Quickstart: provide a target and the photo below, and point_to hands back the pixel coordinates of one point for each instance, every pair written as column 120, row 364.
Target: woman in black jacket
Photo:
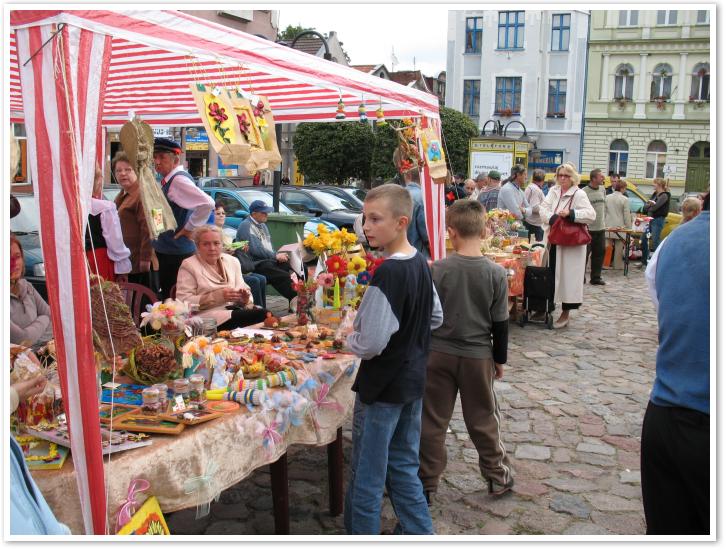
column 657, row 207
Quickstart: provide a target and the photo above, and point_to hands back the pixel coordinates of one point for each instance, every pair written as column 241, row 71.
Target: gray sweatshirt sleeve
column 373, row 326
column 437, row 315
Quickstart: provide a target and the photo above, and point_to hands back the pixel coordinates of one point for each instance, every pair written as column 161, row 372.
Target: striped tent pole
column 62, row 85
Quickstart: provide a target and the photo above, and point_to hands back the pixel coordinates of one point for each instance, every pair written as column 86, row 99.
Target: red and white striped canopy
column 151, row 70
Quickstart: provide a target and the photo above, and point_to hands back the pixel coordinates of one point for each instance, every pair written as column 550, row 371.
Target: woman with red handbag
column 565, row 213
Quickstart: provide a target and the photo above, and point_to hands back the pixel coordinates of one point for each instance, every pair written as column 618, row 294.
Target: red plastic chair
column 134, row 294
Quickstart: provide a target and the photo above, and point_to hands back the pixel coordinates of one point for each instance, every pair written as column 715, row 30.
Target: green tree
column 292, row 31
column 457, row 128
column 385, row 142
column 334, row 151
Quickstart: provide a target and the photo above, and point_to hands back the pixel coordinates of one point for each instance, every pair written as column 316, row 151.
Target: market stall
column 73, row 71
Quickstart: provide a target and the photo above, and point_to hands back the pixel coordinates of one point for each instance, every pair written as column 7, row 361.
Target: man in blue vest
column 191, row 208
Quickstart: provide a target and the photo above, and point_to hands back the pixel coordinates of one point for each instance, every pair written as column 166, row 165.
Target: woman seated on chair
column 213, row 279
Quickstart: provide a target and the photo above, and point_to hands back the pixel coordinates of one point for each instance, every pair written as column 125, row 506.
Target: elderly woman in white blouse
column 567, row 263
column 213, row 279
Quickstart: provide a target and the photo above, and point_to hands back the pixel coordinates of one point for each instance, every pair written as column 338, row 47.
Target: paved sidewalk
column 572, row 403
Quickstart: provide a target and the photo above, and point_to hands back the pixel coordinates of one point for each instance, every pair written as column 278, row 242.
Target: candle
column 336, row 294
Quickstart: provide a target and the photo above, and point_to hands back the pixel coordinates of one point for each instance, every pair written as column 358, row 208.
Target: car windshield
column 332, row 202
column 27, row 220
column 250, row 195
column 636, row 203
column 358, row 193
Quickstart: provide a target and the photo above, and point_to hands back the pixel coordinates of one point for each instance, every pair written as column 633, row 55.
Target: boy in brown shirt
column 468, row 352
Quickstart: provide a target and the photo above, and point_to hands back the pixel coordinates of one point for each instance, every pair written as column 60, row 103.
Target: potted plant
column 506, row 112
column 621, row 102
column 660, row 102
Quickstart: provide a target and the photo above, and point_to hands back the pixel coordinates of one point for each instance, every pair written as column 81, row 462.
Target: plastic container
column 182, row 388
column 163, row 395
column 150, row 403
column 197, row 393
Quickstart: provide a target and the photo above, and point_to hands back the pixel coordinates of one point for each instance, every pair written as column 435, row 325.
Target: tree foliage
column 332, row 152
column 457, row 128
column 292, row 31
column 385, row 142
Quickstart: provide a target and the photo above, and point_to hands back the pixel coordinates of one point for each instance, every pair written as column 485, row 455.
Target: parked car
column 236, row 203
column 634, row 195
column 348, row 195
column 215, row 181
column 315, row 202
column 26, row 227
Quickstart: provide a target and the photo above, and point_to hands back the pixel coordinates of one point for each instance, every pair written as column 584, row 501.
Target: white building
column 526, row 66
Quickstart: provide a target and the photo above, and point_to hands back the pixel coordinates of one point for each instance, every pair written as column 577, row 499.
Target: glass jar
column 197, row 393
column 163, row 395
column 150, row 404
column 182, row 388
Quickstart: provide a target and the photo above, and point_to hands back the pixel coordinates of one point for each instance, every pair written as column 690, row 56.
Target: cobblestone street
column 572, row 404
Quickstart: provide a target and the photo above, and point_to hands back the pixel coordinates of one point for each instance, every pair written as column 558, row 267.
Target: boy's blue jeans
column 385, row 454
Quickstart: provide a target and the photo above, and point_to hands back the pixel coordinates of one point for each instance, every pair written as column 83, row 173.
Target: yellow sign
column 197, row 146
column 299, row 177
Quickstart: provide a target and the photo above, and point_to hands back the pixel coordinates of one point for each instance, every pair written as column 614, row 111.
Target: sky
column 368, row 32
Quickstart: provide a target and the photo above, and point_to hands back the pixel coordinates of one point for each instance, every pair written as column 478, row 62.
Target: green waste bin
column 284, row 228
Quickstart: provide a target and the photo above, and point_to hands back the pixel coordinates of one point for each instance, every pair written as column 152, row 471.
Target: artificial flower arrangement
column 500, row 222
column 170, row 315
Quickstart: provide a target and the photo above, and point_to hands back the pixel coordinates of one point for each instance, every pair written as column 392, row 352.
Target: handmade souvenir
column 111, row 441
column 163, row 395
column 265, row 155
column 152, row 362
column 122, row 393
column 147, row 521
column 150, row 403
column 221, row 406
column 197, row 392
column 433, row 155
column 143, row 423
column 110, row 413
column 192, row 416
column 41, row 454
column 182, row 388
column 137, row 141
column 111, row 319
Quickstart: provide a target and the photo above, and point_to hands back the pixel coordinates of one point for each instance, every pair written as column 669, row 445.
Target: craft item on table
column 40, row 454
column 109, row 413
column 44, row 406
column 241, row 332
column 123, row 393
column 222, row 406
column 214, row 356
column 152, row 362
column 148, row 520
column 223, row 128
column 197, row 392
column 192, row 416
column 137, row 141
column 281, row 378
column 271, row 321
column 205, row 489
column 305, row 296
column 111, row 441
column 111, row 319
column 144, row 423
column 170, row 315
column 291, row 409
column 247, row 397
column 270, row 436
column 150, row 403
column 433, row 154
column 182, row 389
column 163, row 395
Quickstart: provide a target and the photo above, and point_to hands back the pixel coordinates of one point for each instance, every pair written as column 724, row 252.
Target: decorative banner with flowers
column 254, row 118
column 222, row 127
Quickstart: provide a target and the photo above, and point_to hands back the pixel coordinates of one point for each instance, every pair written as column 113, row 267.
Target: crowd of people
column 424, row 332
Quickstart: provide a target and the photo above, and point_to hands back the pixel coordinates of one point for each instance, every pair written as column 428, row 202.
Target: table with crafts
column 191, row 468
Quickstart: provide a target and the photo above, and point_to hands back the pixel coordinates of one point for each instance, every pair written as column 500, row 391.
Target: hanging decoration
column 380, row 116
column 433, row 154
column 362, row 116
column 340, row 112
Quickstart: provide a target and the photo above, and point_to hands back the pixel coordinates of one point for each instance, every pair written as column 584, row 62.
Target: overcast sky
column 368, row 32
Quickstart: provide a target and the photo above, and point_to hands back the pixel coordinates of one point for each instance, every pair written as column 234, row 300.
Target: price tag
column 178, row 404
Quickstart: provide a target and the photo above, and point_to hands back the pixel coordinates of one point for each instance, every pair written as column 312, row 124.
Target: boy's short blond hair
column 466, row 217
column 398, row 199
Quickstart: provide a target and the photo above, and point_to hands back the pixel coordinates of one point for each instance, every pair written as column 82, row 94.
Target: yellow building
column 647, row 112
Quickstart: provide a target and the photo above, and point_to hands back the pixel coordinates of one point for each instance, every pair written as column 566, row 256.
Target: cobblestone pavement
column 572, row 404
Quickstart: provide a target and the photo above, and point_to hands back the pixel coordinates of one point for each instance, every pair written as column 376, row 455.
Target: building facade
column 524, row 66
column 648, row 96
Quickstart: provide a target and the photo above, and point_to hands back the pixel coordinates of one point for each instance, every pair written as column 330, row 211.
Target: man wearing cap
column 511, row 197
column 489, row 195
column 191, row 208
column 274, row 266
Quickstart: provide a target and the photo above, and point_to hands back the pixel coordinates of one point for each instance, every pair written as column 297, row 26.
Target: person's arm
column 547, row 209
column 437, row 315
column 186, row 194
column 374, row 324
column 627, row 215
column 116, row 249
column 499, row 313
column 30, row 334
column 527, row 208
column 145, row 248
column 650, row 275
column 239, row 283
column 661, row 200
column 582, row 211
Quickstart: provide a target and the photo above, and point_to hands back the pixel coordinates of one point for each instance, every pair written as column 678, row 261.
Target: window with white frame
column 655, row 159
column 471, row 97
column 618, row 157
column 660, row 86
column 508, row 95
column 511, row 30
column 628, row 18
column 560, row 32
column 624, row 77
column 703, row 17
column 473, row 35
column 700, row 80
column 556, row 98
column 667, row 17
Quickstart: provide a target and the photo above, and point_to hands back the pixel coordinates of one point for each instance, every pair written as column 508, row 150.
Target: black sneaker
column 497, row 489
column 597, row 282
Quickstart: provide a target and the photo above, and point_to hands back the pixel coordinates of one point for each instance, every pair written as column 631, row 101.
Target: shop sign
column 162, row 132
column 197, row 139
column 546, row 158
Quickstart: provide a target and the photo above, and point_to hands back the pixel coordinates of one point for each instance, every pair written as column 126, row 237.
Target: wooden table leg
column 280, row 495
column 335, row 474
column 626, row 260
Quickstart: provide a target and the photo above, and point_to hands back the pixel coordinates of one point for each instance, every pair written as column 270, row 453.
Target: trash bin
column 284, row 228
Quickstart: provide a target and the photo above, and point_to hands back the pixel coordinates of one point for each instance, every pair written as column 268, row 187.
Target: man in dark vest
column 191, row 208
